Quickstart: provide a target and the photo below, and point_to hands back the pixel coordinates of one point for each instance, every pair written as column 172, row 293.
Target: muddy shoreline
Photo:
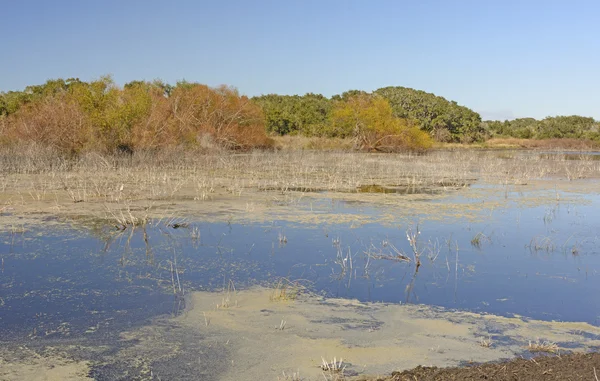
column 253, row 334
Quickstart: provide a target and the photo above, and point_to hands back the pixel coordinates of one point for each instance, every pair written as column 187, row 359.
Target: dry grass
column 285, row 289
column 288, row 142
column 334, row 370
column 33, row 174
column 175, row 168
column 229, row 297
column 486, row 343
column 543, row 346
column 294, row 376
column 545, row 144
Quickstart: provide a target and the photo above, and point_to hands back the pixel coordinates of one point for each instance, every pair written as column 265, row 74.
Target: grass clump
column 541, row 243
column 334, row 370
column 479, row 239
column 486, row 343
column 229, row 292
column 285, row 289
column 542, row 346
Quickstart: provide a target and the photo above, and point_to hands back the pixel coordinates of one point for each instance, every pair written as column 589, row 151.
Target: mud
column 250, row 335
column 571, row 367
column 23, row 364
column 262, row 338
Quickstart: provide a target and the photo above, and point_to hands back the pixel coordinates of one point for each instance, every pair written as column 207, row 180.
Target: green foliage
column 308, row 114
column 369, row 120
column 346, row 95
column 12, row 101
column 293, row 114
column 567, row 127
column 445, row 120
column 73, row 115
column 574, row 127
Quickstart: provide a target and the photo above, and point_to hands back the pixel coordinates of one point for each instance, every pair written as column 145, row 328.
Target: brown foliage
column 101, row 116
column 231, row 120
column 53, row 121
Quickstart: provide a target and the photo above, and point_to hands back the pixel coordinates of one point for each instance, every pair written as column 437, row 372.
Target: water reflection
column 540, row 262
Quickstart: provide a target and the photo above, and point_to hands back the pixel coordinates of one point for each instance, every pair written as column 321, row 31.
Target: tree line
column 443, row 120
column 574, row 127
column 76, row 116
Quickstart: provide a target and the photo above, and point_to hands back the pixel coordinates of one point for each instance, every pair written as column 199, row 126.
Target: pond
column 539, row 260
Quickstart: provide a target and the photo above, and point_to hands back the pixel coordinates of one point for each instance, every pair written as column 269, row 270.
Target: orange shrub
column 230, row 119
column 55, row 121
column 101, row 116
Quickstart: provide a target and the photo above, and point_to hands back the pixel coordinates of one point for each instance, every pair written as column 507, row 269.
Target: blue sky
column 502, row 58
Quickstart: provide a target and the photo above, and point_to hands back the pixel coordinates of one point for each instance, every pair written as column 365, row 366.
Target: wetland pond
column 526, row 251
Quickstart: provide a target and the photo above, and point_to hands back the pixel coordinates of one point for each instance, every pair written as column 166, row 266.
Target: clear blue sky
column 503, row 58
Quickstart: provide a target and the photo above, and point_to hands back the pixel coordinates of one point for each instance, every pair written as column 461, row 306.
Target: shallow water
column 537, row 260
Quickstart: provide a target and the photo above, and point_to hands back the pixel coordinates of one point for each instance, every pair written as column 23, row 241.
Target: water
column 537, row 261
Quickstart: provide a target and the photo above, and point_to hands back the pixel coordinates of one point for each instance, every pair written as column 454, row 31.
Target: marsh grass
column 541, row 243
column 285, row 290
column 294, row 376
column 334, row 370
column 486, row 343
column 542, row 346
column 123, row 217
column 35, row 175
column 163, row 174
column 229, row 296
column 478, row 240
column 386, row 251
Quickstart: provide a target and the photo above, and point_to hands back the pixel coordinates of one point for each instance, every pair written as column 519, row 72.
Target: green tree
column 293, row 114
column 557, row 127
column 443, row 119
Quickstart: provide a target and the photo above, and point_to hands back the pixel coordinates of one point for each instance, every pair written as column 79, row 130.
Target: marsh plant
column 541, row 243
column 334, row 370
column 478, row 240
column 413, row 240
column 486, row 343
column 229, row 296
column 543, row 346
column 294, row 376
column 167, row 173
column 284, row 289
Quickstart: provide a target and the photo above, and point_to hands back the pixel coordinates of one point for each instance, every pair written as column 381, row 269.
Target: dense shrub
column 76, row 116
column 557, row 127
column 292, row 114
column 308, row 115
column 442, row 119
